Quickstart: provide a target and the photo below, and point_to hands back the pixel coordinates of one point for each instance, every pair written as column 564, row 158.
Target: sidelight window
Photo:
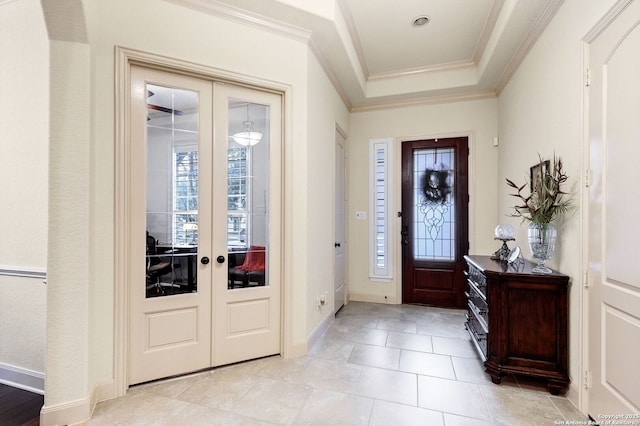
column 380, row 207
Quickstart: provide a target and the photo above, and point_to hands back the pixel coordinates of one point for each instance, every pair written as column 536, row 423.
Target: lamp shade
column 247, row 137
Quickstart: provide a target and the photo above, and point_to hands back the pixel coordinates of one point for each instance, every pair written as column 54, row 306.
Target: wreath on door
column 435, row 186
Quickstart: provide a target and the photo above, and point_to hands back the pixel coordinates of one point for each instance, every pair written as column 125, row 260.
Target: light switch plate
column 361, row 215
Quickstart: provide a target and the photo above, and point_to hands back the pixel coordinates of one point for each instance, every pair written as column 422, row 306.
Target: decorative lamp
column 248, row 136
column 503, row 233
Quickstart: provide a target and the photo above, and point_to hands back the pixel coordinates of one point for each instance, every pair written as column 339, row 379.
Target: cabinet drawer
column 478, row 279
column 478, row 334
column 478, row 303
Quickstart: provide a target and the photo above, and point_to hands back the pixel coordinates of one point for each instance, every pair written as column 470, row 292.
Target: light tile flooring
column 375, row 365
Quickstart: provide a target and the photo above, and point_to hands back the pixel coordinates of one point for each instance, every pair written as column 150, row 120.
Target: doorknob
column 204, row 260
column 220, row 259
column 336, row 244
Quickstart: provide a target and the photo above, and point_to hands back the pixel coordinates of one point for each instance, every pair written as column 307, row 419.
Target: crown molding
column 355, row 38
column 232, row 13
column 604, row 22
column 335, row 81
column 489, row 26
column 423, row 70
column 426, row 100
column 260, row 22
column 527, row 44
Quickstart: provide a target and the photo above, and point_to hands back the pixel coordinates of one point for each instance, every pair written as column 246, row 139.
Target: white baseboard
column 29, row 380
column 573, row 395
column 80, row 411
column 76, row 412
column 320, row 329
column 372, row 298
column 69, row 413
column 295, row 350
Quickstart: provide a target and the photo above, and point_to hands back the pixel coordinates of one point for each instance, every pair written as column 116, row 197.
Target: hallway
column 375, row 365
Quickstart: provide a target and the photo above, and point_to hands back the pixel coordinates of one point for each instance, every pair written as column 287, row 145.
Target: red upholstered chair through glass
column 252, row 271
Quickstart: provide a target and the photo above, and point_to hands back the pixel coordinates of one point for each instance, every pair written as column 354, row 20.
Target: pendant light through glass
column 248, row 136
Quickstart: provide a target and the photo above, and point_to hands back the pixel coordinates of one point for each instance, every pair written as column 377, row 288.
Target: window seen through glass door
column 172, row 191
column 248, row 194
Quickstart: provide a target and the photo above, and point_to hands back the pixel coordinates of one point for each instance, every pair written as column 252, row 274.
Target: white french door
column 247, row 311
column 614, row 291
column 199, row 197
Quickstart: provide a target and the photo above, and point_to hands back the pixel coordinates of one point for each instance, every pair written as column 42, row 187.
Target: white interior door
column 204, row 198
column 340, row 220
column 614, row 209
column 247, row 307
column 170, row 175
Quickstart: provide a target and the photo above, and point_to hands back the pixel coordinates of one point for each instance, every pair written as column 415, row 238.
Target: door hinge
column 587, row 178
column 588, row 381
column 586, row 279
column 587, row 77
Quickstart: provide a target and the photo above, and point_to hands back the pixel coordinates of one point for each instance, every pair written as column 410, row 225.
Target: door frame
column 397, row 202
column 341, row 140
column 581, row 395
column 462, row 238
column 124, row 59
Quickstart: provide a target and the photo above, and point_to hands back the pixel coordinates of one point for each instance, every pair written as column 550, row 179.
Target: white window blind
column 238, row 200
column 380, row 205
column 185, row 196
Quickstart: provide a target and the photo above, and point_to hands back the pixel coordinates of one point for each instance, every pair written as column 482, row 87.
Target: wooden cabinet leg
column 555, row 388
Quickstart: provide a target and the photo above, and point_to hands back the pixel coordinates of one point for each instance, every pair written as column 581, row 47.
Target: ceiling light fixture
column 247, row 137
column 420, row 21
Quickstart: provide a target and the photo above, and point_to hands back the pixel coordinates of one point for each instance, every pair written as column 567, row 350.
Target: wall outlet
column 323, row 299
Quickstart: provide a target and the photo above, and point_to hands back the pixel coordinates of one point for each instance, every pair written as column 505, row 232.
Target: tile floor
column 375, row 365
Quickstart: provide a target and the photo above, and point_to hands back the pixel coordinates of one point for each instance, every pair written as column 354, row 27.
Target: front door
column 198, row 199
column 434, row 221
column 613, row 209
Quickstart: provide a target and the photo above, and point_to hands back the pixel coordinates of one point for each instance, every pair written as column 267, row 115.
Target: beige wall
column 325, row 112
column 24, row 122
column 81, row 315
column 476, row 119
column 540, row 112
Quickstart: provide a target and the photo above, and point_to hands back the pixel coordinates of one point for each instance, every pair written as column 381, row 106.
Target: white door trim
column 124, row 58
column 578, row 391
column 340, row 143
column 586, row 364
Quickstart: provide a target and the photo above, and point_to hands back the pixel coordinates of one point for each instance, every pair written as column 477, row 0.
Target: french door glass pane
column 434, row 207
column 248, row 194
column 172, row 191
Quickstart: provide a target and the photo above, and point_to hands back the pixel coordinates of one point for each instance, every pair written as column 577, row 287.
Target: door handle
column 220, row 259
column 336, row 244
column 204, row 260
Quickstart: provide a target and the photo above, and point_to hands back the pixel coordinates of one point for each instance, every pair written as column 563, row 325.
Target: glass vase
column 542, row 242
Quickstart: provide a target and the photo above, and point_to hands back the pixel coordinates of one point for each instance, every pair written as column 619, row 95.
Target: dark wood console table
column 518, row 320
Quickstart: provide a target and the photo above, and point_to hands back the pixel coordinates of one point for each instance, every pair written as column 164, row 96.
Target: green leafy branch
column 546, row 200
